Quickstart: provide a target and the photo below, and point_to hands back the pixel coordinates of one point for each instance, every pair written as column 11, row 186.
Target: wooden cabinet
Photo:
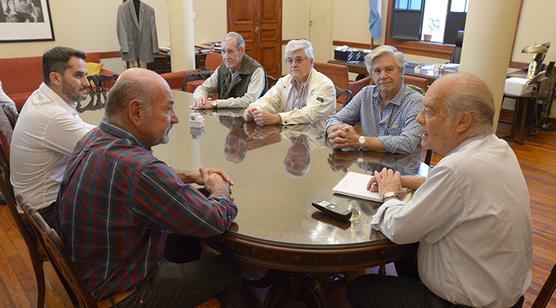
column 162, row 64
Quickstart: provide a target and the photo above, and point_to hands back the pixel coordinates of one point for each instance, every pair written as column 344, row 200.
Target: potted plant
column 433, row 24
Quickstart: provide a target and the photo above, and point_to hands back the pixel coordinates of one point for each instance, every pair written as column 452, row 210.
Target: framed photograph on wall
column 25, row 20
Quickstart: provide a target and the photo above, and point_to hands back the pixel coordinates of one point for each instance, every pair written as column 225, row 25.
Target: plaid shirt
column 116, row 202
column 395, row 125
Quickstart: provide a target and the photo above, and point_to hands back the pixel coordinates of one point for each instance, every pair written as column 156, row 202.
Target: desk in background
column 426, row 71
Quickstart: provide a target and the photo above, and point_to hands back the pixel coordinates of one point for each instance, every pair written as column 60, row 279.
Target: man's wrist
column 361, row 142
column 390, row 195
column 278, row 119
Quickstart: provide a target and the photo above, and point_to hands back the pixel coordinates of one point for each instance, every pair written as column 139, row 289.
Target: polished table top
column 278, row 171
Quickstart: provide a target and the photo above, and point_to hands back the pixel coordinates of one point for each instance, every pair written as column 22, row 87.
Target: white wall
column 210, row 20
column 536, row 25
column 86, row 25
column 350, row 21
column 320, row 28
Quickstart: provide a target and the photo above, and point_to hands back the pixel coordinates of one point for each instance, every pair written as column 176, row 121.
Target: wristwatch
column 361, row 141
column 389, row 194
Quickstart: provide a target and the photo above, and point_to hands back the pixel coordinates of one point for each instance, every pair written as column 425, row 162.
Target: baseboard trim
column 509, row 114
column 109, row 54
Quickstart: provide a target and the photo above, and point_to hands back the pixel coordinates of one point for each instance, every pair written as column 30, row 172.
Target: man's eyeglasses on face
column 297, row 60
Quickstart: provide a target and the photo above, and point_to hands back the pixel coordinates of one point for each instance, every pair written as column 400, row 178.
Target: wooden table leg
column 523, row 121
column 300, row 286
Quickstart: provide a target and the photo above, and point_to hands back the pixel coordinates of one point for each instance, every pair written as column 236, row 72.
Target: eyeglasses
column 297, row 60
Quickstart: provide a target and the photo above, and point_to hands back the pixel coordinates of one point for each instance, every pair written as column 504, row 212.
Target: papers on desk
column 355, row 185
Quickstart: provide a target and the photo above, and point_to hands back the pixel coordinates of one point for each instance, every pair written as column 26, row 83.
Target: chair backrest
column 344, row 95
column 416, row 81
column 416, row 89
column 339, row 75
column 213, row 60
column 356, row 86
column 58, row 257
column 8, row 192
column 547, row 290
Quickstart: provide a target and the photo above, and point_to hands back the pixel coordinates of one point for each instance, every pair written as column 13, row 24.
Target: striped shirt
column 395, row 124
column 298, row 98
column 117, row 202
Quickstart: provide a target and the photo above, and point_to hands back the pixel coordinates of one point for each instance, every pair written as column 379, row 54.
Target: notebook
column 354, row 184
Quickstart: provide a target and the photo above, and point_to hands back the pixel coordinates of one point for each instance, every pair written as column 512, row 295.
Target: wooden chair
column 357, row 85
column 547, row 290
column 339, row 76
column 416, row 81
column 36, row 251
column 65, row 268
column 56, row 253
column 416, row 89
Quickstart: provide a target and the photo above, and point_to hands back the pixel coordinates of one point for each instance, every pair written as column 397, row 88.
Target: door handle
column 257, row 29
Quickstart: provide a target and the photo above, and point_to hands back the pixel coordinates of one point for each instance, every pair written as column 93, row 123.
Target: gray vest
column 238, row 86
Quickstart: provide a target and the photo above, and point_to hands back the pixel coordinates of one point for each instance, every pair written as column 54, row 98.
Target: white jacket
column 321, row 100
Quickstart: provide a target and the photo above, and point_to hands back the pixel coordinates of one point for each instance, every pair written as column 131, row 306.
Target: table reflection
column 278, row 172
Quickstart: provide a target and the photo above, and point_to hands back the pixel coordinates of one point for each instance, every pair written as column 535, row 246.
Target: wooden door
column 260, row 24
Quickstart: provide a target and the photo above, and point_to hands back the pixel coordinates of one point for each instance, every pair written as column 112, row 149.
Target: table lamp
column 539, row 50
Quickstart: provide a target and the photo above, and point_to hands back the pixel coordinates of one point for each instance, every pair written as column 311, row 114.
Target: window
column 459, row 6
column 414, row 5
column 428, row 20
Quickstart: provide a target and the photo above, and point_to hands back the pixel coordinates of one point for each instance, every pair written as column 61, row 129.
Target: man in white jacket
column 304, row 96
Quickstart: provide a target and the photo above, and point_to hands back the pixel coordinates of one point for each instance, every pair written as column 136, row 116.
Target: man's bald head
column 134, row 84
column 466, row 92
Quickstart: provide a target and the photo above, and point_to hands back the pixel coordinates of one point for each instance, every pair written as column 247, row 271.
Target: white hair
column 240, row 42
column 294, row 45
column 399, row 57
column 479, row 103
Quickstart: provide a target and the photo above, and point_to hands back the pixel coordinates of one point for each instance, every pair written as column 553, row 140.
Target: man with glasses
column 304, row 96
column 239, row 81
column 386, row 110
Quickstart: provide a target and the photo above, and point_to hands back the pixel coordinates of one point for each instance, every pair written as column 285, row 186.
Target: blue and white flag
column 375, row 24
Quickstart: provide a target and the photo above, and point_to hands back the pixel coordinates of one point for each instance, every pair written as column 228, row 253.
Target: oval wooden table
column 278, row 171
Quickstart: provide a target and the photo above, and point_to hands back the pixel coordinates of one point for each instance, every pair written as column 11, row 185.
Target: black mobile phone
column 341, row 212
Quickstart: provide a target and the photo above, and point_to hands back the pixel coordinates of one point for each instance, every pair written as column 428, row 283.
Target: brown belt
column 107, row 303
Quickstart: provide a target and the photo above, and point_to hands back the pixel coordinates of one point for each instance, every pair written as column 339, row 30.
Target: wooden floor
column 537, row 157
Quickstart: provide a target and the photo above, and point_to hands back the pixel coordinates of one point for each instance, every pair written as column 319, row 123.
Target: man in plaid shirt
column 118, row 201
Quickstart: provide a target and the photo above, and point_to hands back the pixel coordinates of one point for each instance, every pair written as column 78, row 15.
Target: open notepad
column 355, row 185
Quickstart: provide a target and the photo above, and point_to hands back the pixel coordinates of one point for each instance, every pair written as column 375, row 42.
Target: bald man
column 118, row 201
column 470, row 215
